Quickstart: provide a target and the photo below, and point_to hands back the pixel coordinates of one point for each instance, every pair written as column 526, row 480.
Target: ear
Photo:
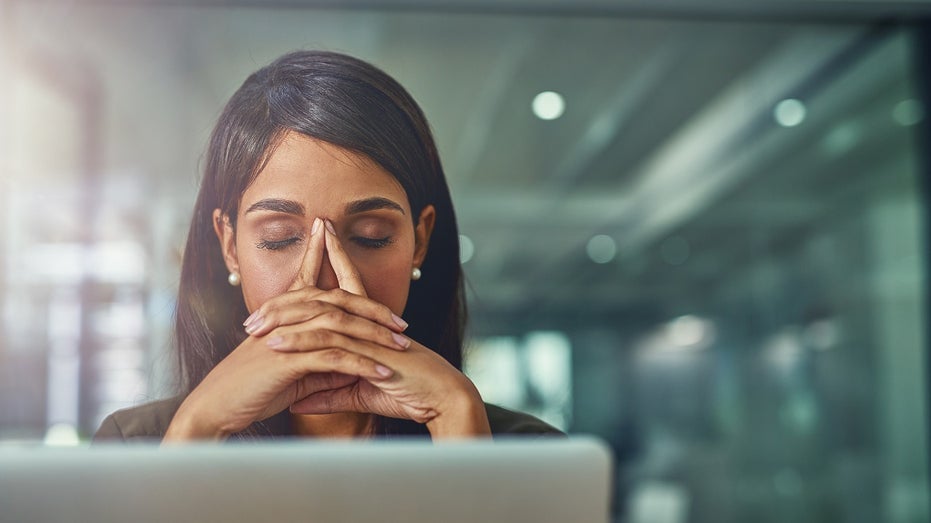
column 227, row 237
column 422, row 233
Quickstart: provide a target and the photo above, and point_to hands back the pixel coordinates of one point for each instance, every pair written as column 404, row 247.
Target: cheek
column 264, row 277
column 387, row 279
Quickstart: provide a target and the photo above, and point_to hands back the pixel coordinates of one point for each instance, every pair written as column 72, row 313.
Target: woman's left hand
column 424, row 387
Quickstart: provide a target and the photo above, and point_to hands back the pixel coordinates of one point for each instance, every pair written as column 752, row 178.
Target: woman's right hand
column 344, row 334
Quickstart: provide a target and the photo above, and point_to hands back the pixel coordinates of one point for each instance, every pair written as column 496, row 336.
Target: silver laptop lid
column 549, row 480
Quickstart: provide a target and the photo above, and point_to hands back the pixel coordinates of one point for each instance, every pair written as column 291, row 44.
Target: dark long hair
column 349, row 103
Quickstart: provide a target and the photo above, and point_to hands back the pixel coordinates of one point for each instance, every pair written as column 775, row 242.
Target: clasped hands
column 318, row 351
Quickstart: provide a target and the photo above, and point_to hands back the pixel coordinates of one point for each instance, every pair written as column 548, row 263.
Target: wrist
column 463, row 416
column 188, row 425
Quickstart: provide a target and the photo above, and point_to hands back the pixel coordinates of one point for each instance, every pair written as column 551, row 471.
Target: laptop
column 539, row 480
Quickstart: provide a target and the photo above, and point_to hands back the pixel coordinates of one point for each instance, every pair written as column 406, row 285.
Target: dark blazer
column 149, row 422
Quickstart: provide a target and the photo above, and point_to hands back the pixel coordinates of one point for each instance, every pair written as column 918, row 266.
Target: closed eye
column 277, row 245
column 372, row 243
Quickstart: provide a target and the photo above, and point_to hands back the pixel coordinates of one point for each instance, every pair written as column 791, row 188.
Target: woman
column 324, row 217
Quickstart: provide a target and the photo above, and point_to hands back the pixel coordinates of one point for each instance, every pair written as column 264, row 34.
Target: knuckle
column 316, row 308
column 320, row 338
column 385, row 313
column 361, row 362
column 334, row 316
column 334, row 356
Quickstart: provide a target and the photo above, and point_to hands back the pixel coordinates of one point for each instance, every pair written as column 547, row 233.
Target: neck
column 337, row 425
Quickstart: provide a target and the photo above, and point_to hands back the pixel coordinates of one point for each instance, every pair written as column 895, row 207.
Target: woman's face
column 307, row 178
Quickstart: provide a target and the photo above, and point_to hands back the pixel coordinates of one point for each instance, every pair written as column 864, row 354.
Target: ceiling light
column 842, row 139
column 548, row 105
column 783, row 349
column 690, row 332
column 908, row 112
column 822, row 334
column 789, row 112
column 601, row 248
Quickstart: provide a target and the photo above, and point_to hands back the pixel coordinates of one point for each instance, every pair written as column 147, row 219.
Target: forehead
column 321, row 176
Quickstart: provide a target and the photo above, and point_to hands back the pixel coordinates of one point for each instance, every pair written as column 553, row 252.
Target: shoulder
column 146, row 422
column 504, row 422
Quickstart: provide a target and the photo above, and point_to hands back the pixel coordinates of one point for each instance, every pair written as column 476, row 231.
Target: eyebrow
column 293, row 207
column 277, row 205
column 372, row 204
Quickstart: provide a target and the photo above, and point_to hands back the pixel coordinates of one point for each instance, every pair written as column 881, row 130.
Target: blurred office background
column 697, row 231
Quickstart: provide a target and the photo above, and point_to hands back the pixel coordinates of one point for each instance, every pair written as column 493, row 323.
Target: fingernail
column 255, row 325
column 329, row 226
column 251, row 319
column 275, row 342
column 401, row 340
column 384, row 371
column 315, row 227
column 397, row 319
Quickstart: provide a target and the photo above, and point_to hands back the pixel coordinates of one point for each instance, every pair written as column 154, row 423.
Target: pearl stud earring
column 416, row 274
column 234, row 279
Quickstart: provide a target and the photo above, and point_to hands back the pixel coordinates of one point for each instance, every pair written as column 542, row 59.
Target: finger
column 346, row 273
column 313, row 258
column 304, row 340
column 339, row 361
column 319, row 315
column 276, row 311
column 290, row 312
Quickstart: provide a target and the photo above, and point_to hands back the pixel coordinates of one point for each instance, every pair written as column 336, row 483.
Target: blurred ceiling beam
column 709, row 155
column 606, row 124
column 698, row 164
column 496, row 208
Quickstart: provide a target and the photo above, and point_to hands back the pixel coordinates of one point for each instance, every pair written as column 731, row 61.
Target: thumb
column 319, row 381
column 309, row 270
column 328, row 401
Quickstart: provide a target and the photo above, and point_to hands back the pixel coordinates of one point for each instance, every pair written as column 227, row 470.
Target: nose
column 327, row 278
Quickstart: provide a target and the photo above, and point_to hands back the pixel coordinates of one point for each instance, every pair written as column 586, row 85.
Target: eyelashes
column 362, row 241
column 277, row 245
column 372, row 243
